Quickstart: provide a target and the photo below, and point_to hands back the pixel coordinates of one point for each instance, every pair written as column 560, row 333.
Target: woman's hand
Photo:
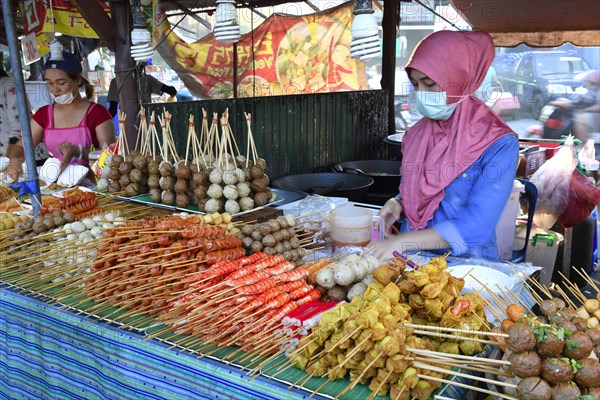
column 68, row 151
column 13, row 170
column 384, row 249
column 390, row 213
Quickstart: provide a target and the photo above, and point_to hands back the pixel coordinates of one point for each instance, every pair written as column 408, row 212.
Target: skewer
column 432, row 378
column 565, row 296
column 468, row 331
column 512, row 297
column 456, row 337
column 376, row 391
column 353, row 384
column 451, row 372
column 574, row 289
column 588, row 279
column 438, row 355
column 469, row 366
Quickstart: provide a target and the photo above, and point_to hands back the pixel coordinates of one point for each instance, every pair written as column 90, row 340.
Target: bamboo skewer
column 587, row 278
column 468, row 331
column 470, row 387
column 456, row 373
column 383, row 381
column 455, row 337
column 357, row 380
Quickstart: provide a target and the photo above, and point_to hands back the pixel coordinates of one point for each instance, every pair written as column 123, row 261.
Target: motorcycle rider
column 587, row 111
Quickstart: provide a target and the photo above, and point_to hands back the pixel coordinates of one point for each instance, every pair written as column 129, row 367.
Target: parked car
column 539, row 76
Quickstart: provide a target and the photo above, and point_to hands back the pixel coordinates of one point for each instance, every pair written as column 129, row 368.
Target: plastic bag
column 552, row 182
column 583, row 197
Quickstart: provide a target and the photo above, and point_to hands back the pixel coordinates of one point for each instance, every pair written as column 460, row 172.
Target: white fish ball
column 214, row 191
column 230, row 192
column 232, row 207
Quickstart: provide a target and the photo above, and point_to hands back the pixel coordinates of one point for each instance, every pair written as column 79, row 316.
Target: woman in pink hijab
column 459, row 161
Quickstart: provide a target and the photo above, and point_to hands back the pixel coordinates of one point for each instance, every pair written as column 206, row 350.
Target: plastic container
column 541, row 250
column 506, row 226
column 351, row 226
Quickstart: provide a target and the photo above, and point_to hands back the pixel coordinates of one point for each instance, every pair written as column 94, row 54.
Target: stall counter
column 50, row 353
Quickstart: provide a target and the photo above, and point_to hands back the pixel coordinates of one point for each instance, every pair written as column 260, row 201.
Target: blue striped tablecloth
column 47, row 353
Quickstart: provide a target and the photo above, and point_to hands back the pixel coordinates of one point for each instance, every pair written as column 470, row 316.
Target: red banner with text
column 39, row 25
column 284, row 55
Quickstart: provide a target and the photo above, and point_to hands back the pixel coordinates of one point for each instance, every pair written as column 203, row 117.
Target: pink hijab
column 435, row 153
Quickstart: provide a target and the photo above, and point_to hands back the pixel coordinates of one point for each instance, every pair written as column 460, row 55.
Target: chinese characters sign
column 284, row 55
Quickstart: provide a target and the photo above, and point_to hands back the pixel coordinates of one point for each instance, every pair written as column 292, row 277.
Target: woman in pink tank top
column 72, row 124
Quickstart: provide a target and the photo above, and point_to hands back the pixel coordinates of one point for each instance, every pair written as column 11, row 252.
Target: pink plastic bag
column 552, row 181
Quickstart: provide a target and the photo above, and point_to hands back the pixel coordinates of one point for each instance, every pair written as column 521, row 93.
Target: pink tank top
column 77, row 135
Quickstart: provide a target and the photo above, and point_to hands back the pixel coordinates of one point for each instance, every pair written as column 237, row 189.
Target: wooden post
column 128, row 95
column 391, row 20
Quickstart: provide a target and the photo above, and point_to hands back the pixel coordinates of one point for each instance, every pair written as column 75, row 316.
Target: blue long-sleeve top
column 473, row 202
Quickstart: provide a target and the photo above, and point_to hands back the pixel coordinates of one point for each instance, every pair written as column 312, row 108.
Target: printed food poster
column 284, row 55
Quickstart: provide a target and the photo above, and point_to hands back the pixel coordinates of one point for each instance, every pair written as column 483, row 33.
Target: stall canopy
column 538, row 23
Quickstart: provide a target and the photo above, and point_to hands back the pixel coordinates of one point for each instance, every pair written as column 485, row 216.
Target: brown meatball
column 69, row 217
column 182, row 200
column 165, row 169
column 551, row 346
column 260, row 199
column 568, row 326
column 201, row 192
column 560, row 303
column 526, row 364
column 153, row 181
column 183, row 171
column 520, row 338
column 155, row 194
column 589, row 374
column 580, row 323
column 153, row 167
column 132, row 190
column 548, row 307
column 567, row 313
column 140, row 162
column 167, row 183
column 167, row 197
column 533, row 389
column 125, row 167
column 557, row 370
column 181, row 186
column 594, row 334
column 199, row 178
column 136, row 175
column 557, row 318
column 116, row 160
column 593, row 392
column 578, row 346
column 565, row 391
column 124, row 180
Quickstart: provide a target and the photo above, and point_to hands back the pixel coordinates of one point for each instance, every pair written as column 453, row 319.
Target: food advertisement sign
column 38, row 25
column 284, row 55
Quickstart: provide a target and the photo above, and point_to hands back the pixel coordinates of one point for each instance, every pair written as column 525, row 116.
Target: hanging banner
column 38, row 27
column 286, row 54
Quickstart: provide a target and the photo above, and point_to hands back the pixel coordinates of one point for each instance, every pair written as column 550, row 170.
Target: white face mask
column 433, row 105
column 66, row 98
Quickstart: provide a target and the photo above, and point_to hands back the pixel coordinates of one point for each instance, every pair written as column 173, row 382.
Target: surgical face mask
column 66, row 98
column 433, row 105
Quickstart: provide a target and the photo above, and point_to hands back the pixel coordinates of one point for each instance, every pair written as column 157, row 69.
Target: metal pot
column 385, row 173
column 394, row 143
column 351, row 186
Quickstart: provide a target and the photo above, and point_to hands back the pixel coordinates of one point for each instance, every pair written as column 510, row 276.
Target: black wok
column 385, row 173
column 334, row 184
column 394, row 143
